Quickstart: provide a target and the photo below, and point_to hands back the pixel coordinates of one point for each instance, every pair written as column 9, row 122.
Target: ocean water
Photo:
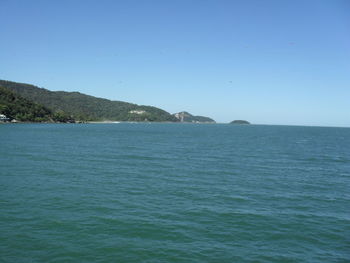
column 174, row 193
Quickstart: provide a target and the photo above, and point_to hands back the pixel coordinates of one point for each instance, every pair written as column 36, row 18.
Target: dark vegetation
column 16, row 107
column 78, row 106
column 240, row 122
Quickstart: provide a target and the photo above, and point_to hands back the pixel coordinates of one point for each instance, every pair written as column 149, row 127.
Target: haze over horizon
column 269, row 62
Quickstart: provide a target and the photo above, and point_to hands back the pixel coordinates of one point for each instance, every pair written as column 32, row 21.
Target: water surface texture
column 174, row 193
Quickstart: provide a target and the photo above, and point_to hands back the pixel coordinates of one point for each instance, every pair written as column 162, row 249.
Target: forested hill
column 15, row 107
column 85, row 107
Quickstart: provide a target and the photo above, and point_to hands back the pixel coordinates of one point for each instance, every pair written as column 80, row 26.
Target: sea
column 162, row 192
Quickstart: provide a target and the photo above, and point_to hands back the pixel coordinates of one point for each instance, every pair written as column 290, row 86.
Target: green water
column 174, row 193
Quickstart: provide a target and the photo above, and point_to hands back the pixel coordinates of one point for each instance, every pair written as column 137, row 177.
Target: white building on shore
column 3, row 118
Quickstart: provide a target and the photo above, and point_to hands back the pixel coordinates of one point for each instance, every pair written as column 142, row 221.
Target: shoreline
column 185, row 123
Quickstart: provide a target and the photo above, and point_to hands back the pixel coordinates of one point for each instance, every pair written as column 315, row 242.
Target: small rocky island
column 239, row 122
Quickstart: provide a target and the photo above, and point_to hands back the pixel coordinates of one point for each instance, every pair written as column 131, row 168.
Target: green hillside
column 85, row 107
column 16, row 107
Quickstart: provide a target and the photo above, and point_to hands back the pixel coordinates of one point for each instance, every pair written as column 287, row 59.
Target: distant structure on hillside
column 137, row 112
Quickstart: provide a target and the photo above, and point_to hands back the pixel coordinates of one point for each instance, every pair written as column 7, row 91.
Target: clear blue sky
column 269, row 62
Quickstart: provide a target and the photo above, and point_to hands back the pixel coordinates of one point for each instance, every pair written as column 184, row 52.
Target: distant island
column 184, row 116
column 239, row 122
